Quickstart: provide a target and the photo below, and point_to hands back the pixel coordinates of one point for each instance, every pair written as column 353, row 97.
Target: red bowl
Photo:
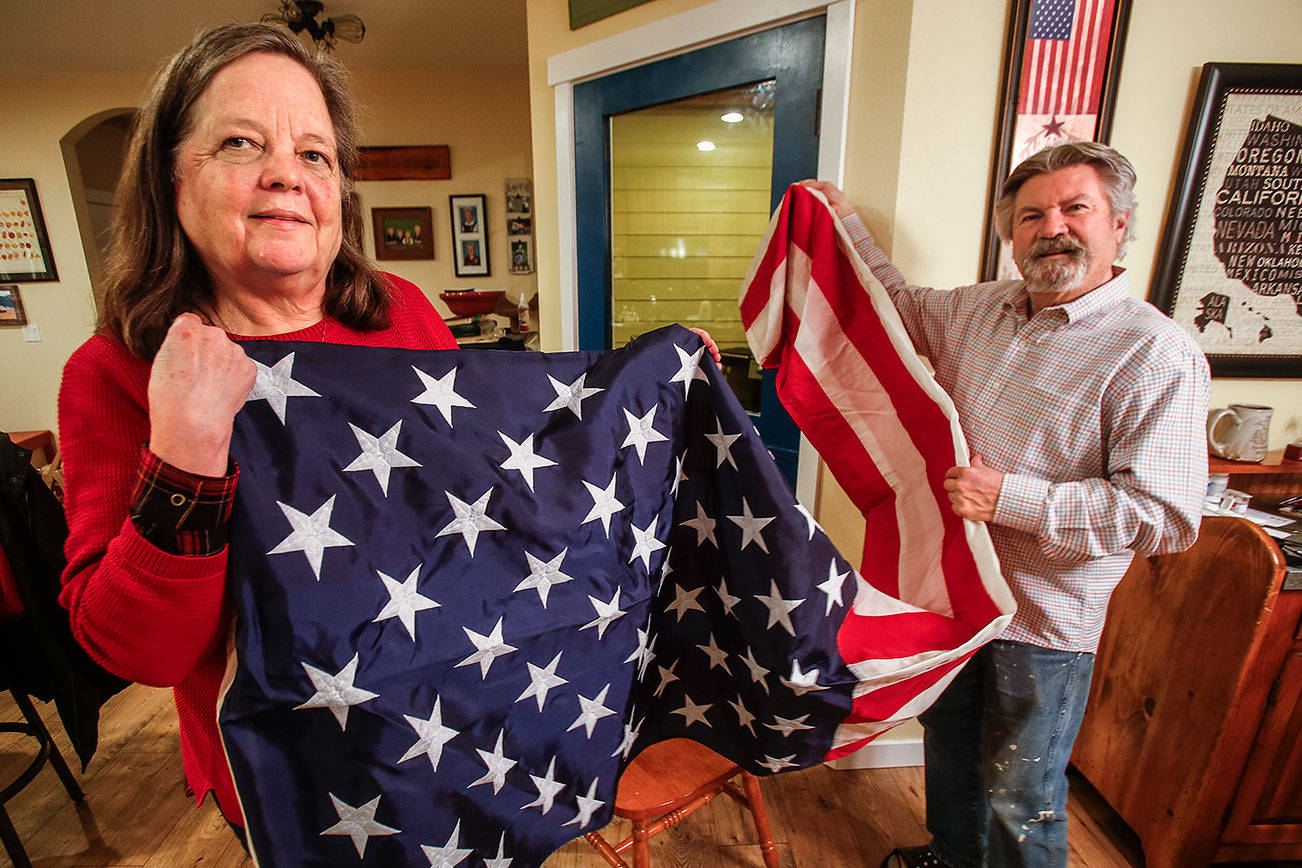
column 469, row 302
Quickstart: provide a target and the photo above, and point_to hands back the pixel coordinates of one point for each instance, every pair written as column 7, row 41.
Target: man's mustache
column 1056, row 244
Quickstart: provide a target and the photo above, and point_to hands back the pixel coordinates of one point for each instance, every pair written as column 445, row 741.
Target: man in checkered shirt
column 1085, row 410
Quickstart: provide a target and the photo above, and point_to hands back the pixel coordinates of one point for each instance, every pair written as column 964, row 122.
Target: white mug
column 1239, row 432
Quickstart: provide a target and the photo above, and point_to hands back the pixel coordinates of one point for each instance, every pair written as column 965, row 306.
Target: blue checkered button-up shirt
column 1095, row 411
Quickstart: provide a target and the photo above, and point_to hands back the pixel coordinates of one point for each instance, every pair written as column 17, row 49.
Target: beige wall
column 483, row 115
column 924, row 92
column 45, row 109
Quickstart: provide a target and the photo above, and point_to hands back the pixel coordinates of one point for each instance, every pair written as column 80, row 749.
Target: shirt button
column 178, row 500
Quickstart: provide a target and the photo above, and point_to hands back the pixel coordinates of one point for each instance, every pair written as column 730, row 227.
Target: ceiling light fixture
column 705, row 146
column 732, row 117
column 300, row 16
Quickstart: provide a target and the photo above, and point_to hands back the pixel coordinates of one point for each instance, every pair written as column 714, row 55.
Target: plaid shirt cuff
column 179, row 512
column 1023, row 502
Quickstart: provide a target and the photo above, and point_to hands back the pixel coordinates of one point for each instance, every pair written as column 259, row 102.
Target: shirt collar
column 1100, row 298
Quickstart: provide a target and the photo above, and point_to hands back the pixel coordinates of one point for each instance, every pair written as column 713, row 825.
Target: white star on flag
column 358, row 823
column 777, row 764
column 703, row 525
column 786, row 726
column 523, row 459
column 570, row 397
column 800, row 682
column 641, row 649
column 431, row 735
column 718, row 657
column 548, row 788
column 498, row 765
column 471, row 519
column 500, row 860
column 693, row 713
column 541, row 680
column 809, row 518
column 588, row 806
column 752, row 528
column 404, row 600
column 684, row 601
column 833, row 587
column 726, row 599
column 645, row 543
column 604, row 504
column 311, row 534
column 543, row 575
column 606, row 613
column 489, row 647
column 591, row 710
column 440, row 393
column 779, row 609
column 667, row 677
column 630, row 737
column 276, row 386
column 689, row 369
column 744, row 717
column 757, row 672
column 379, row 454
column 449, row 855
column 640, row 433
column 723, row 444
column 335, row 692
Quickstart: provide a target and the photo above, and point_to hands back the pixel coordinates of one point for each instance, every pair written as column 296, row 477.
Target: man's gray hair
column 1115, row 172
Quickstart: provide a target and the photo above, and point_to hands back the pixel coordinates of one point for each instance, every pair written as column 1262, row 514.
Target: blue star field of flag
column 471, row 585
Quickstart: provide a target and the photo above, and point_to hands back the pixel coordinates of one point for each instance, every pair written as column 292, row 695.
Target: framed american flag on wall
column 1061, row 67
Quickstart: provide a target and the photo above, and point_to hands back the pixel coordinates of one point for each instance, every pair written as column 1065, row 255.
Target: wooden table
column 1272, row 477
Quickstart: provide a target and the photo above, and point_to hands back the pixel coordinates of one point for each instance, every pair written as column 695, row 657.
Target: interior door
column 679, row 164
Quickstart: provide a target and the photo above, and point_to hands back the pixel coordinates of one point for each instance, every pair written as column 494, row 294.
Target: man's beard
column 1051, row 276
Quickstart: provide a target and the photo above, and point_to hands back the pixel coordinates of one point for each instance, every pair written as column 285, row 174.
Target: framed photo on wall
column 403, row 233
column 11, row 306
column 1230, row 264
column 469, row 235
column 24, row 245
column 1061, row 68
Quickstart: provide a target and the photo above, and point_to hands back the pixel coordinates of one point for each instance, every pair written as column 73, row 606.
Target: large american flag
column 1065, row 56
column 469, row 586
column 849, row 377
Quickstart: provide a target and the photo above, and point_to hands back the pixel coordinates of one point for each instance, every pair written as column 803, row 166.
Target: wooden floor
column 136, row 812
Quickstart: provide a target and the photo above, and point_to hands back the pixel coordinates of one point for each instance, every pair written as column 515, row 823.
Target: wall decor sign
column 24, row 246
column 1230, row 263
column 11, row 306
column 1061, row 68
column 519, row 224
column 404, row 163
column 469, row 235
column 403, row 233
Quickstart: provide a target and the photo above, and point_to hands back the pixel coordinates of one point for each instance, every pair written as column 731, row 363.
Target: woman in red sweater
column 237, row 217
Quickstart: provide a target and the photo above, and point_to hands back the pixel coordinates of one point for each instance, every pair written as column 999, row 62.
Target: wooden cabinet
column 1193, row 731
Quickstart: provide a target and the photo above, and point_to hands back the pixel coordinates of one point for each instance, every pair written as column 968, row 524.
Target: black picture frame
column 11, row 306
column 469, row 215
column 403, row 233
column 1231, row 255
column 1008, row 149
column 22, row 234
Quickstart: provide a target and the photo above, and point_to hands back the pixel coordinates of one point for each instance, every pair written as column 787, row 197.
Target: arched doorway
column 92, row 156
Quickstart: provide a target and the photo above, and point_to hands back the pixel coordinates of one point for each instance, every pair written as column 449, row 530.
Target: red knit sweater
column 142, row 613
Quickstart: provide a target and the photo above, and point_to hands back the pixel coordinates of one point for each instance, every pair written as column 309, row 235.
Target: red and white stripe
column 1065, row 77
column 931, row 592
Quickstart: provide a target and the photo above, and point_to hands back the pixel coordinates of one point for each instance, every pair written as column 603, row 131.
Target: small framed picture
column 469, row 235
column 24, row 246
column 11, row 306
column 403, row 233
column 521, row 255
column 519, row 196
column 519, row 225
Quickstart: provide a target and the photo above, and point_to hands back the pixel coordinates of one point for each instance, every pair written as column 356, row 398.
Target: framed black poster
column 1230, row 263
column 25, row 254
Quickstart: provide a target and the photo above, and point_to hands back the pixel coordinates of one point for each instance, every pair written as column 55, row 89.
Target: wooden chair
column 670, row 780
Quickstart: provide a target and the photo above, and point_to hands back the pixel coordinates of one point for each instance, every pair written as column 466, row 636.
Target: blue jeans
column 997, row 743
